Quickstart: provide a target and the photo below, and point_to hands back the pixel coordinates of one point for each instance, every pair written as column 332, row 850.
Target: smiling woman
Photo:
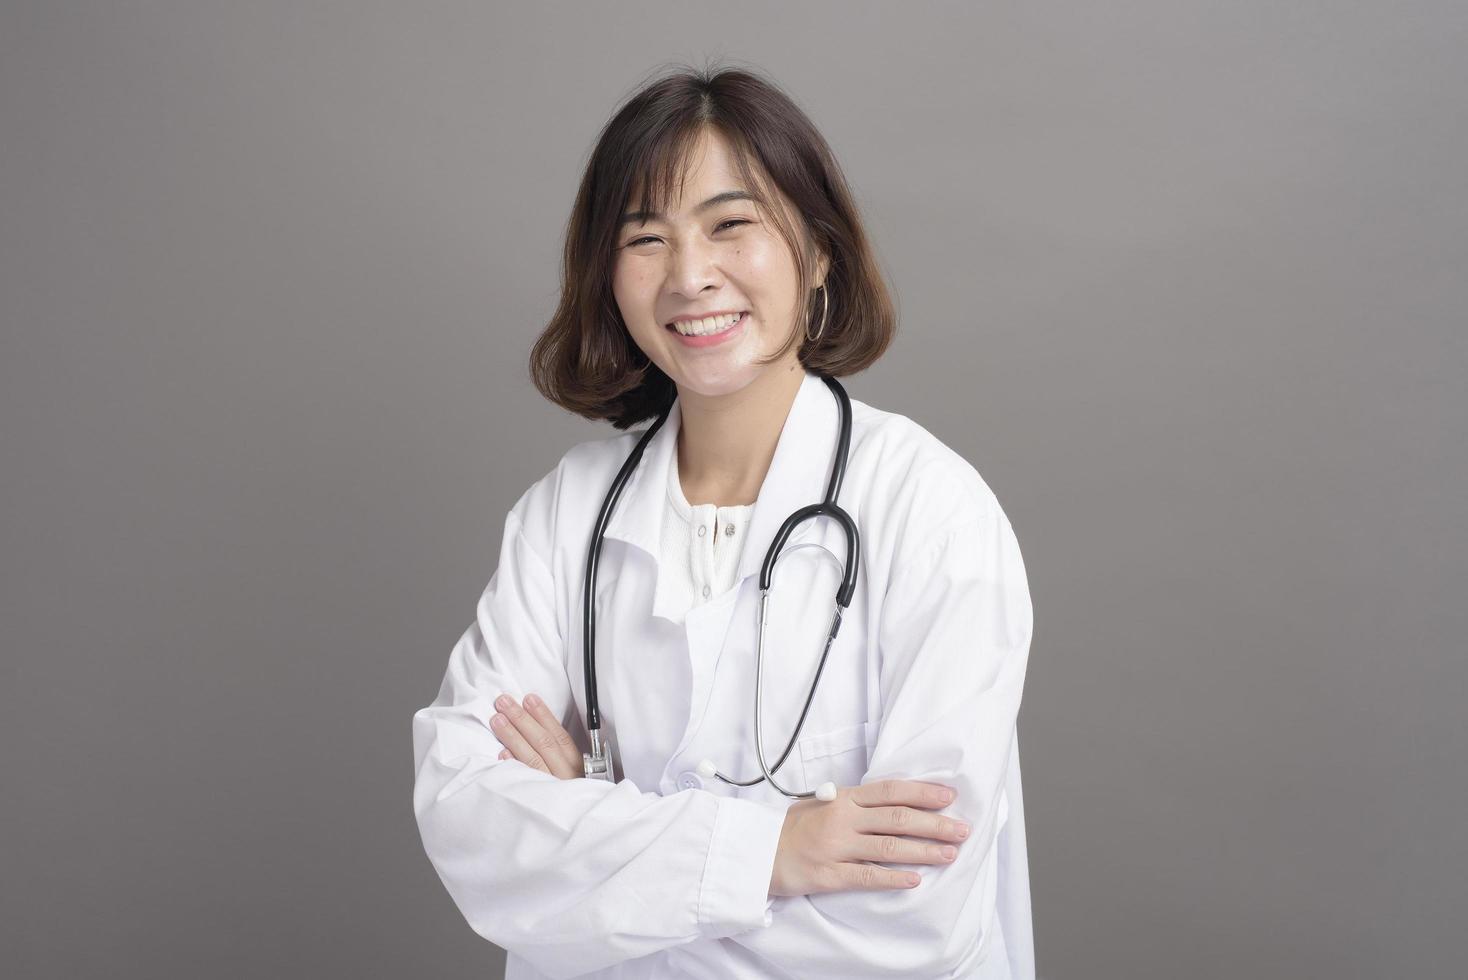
column 717, row 282
column 768, row 210
column 711, row 348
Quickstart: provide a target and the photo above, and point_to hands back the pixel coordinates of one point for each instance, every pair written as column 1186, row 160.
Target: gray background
column 1185, row 281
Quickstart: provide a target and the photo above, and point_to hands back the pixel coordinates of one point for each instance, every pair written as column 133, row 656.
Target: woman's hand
column 832, row 846
column 534, row 736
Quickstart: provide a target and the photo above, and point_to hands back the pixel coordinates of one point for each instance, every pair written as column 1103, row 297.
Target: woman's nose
column 694, row 266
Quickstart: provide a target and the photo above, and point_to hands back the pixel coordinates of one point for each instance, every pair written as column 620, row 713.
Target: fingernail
column 949, row 853
column 963, row 830
column 503, row 701
column 947, row 795
column 531, row 701
column 498, row 721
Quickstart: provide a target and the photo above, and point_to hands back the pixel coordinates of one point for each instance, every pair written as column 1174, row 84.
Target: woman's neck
column 726, row 443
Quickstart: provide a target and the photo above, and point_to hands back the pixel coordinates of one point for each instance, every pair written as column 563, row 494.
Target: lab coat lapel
column 798, row 472
column 638, row 517
column 797, row 476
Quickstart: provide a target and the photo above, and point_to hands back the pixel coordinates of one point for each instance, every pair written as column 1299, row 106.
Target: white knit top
column 701, row 545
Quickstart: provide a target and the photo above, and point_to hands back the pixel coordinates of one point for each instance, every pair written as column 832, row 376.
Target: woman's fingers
column 870, row 877
column 897, row 809
column 528, row 740
column 900, row 850
column 516, row 743
column 565, row 745
column 903, row 821
column 902, row 792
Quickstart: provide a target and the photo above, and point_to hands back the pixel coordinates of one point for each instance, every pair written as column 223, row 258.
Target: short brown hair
column 586, row 360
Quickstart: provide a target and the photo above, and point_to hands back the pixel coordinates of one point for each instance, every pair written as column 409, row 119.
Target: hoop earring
column 825, row 308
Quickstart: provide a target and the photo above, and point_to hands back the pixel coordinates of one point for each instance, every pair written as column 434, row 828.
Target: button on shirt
column 662, row 873
column 701, row 545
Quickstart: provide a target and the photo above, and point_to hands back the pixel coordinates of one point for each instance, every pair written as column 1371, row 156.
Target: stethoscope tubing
column 598, row 762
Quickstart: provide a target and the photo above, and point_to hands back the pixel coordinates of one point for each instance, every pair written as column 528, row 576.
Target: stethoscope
column 597, row 763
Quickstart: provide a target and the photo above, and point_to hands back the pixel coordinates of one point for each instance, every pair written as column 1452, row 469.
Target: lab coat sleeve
column 954, row 641
column 573, row 875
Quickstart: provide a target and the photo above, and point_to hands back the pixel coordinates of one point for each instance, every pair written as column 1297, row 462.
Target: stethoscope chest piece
column 597, row 764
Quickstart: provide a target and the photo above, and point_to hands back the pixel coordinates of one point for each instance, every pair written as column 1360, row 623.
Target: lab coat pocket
column 840, row 755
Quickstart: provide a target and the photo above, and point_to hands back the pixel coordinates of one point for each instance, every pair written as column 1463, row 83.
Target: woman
column 716, row 273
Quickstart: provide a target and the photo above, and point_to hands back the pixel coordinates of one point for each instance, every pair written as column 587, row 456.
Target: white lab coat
column 664, row 874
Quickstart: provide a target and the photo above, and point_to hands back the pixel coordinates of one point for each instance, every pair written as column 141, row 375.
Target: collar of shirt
column 798, row 474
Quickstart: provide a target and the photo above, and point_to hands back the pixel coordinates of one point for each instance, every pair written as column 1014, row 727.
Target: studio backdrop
column 1182, row 281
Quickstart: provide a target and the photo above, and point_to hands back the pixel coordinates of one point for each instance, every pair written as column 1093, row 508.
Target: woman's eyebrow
column 642, row 217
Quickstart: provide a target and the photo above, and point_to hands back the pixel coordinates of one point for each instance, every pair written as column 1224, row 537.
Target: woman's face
column 695, row 261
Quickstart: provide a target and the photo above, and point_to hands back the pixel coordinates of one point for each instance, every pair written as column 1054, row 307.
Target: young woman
column 620, row 814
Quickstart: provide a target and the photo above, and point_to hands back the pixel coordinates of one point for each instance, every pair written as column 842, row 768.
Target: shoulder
column 917, row 490
column 555, row 507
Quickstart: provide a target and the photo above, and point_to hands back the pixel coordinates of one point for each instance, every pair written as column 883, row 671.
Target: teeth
column 708, row 325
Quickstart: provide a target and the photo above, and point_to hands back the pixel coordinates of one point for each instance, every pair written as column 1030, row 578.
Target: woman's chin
column 715, row 383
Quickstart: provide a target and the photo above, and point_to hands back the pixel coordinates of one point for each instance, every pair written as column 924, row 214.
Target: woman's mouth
column 716, row 332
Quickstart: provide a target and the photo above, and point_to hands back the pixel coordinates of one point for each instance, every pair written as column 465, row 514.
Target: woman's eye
column 647, row 238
